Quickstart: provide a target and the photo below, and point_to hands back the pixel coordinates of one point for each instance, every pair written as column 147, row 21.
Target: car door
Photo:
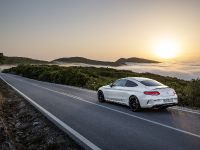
column 130, row 88
column 116, row 92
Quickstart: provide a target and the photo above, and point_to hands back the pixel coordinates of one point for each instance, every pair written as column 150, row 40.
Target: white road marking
column 121, row 112
column 61, row 123
column 92, row 91
column 186, row 110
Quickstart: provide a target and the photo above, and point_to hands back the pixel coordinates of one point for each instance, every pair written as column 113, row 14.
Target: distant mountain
column 135, row 60
column 119, row 62
column 23, row 60
column 85, row 61
column 19, row 60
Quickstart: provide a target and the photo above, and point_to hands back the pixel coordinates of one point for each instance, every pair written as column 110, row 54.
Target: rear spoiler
column 161, row 87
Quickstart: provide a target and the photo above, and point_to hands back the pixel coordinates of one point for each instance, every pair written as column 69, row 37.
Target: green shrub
column 93, row 78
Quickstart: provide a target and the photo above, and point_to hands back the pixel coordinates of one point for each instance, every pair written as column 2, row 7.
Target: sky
column 99, row 29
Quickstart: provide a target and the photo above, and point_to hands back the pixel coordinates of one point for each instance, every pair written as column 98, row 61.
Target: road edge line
column 93, row 91
column 121, row 112
column 74, row 134
column 184, row 110
column 141, row 118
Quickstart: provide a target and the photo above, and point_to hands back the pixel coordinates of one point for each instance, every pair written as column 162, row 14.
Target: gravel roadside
column 23, row 127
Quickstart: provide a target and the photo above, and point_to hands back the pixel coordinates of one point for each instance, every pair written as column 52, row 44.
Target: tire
column 134, row 104
column 101, row 98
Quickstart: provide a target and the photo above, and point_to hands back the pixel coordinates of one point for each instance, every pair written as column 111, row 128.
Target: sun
column 166, row 49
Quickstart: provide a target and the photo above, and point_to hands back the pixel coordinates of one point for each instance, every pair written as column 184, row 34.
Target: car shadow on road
column 143, row 110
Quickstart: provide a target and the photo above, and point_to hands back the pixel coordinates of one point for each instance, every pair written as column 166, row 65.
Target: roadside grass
column 92, row 78
column 1, row 102
column 1, row 99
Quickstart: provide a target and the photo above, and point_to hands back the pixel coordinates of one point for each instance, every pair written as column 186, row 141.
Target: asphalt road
column 106, row 125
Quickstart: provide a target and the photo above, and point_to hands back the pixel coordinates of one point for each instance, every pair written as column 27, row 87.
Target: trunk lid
column 163, row 90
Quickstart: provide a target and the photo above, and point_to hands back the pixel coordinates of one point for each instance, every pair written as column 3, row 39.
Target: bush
column 194, row 93
column 93, row 78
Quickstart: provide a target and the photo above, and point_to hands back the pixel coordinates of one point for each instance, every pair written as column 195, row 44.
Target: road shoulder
column 22, row 126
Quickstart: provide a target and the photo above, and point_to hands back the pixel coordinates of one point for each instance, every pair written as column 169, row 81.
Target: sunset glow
column 166, row 49
column 101, row 30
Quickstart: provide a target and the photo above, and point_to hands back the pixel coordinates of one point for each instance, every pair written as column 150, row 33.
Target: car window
column 151, row 83
column 120, row 82
column 130, row 84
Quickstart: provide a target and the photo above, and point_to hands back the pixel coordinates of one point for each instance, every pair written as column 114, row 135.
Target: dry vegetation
column 22, row 127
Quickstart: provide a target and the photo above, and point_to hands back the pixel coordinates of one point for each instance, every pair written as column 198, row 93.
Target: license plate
column 168, row 100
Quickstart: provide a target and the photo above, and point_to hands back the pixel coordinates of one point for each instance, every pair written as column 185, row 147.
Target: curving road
column 109, row 126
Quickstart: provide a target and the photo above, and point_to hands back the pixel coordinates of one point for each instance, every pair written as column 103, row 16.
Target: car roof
column 137, row 78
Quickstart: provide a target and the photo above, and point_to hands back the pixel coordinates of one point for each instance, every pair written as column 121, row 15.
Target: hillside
column 121, row 61
column 23, row 60
column 135, row 60
column 19, row 60
column 86, row 61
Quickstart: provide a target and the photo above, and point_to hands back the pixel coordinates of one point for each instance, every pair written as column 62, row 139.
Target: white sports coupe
column 138, row 92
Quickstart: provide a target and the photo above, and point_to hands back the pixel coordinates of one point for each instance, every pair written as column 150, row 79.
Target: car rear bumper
column 161, row 102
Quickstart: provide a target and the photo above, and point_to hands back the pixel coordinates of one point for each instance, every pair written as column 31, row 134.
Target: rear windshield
column 151, row 83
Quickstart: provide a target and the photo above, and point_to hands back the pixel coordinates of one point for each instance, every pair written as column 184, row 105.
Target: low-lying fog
column 184, row 71
column 2, row 67
column 181, row 70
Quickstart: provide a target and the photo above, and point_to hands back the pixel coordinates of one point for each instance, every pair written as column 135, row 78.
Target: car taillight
column 151, row 93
